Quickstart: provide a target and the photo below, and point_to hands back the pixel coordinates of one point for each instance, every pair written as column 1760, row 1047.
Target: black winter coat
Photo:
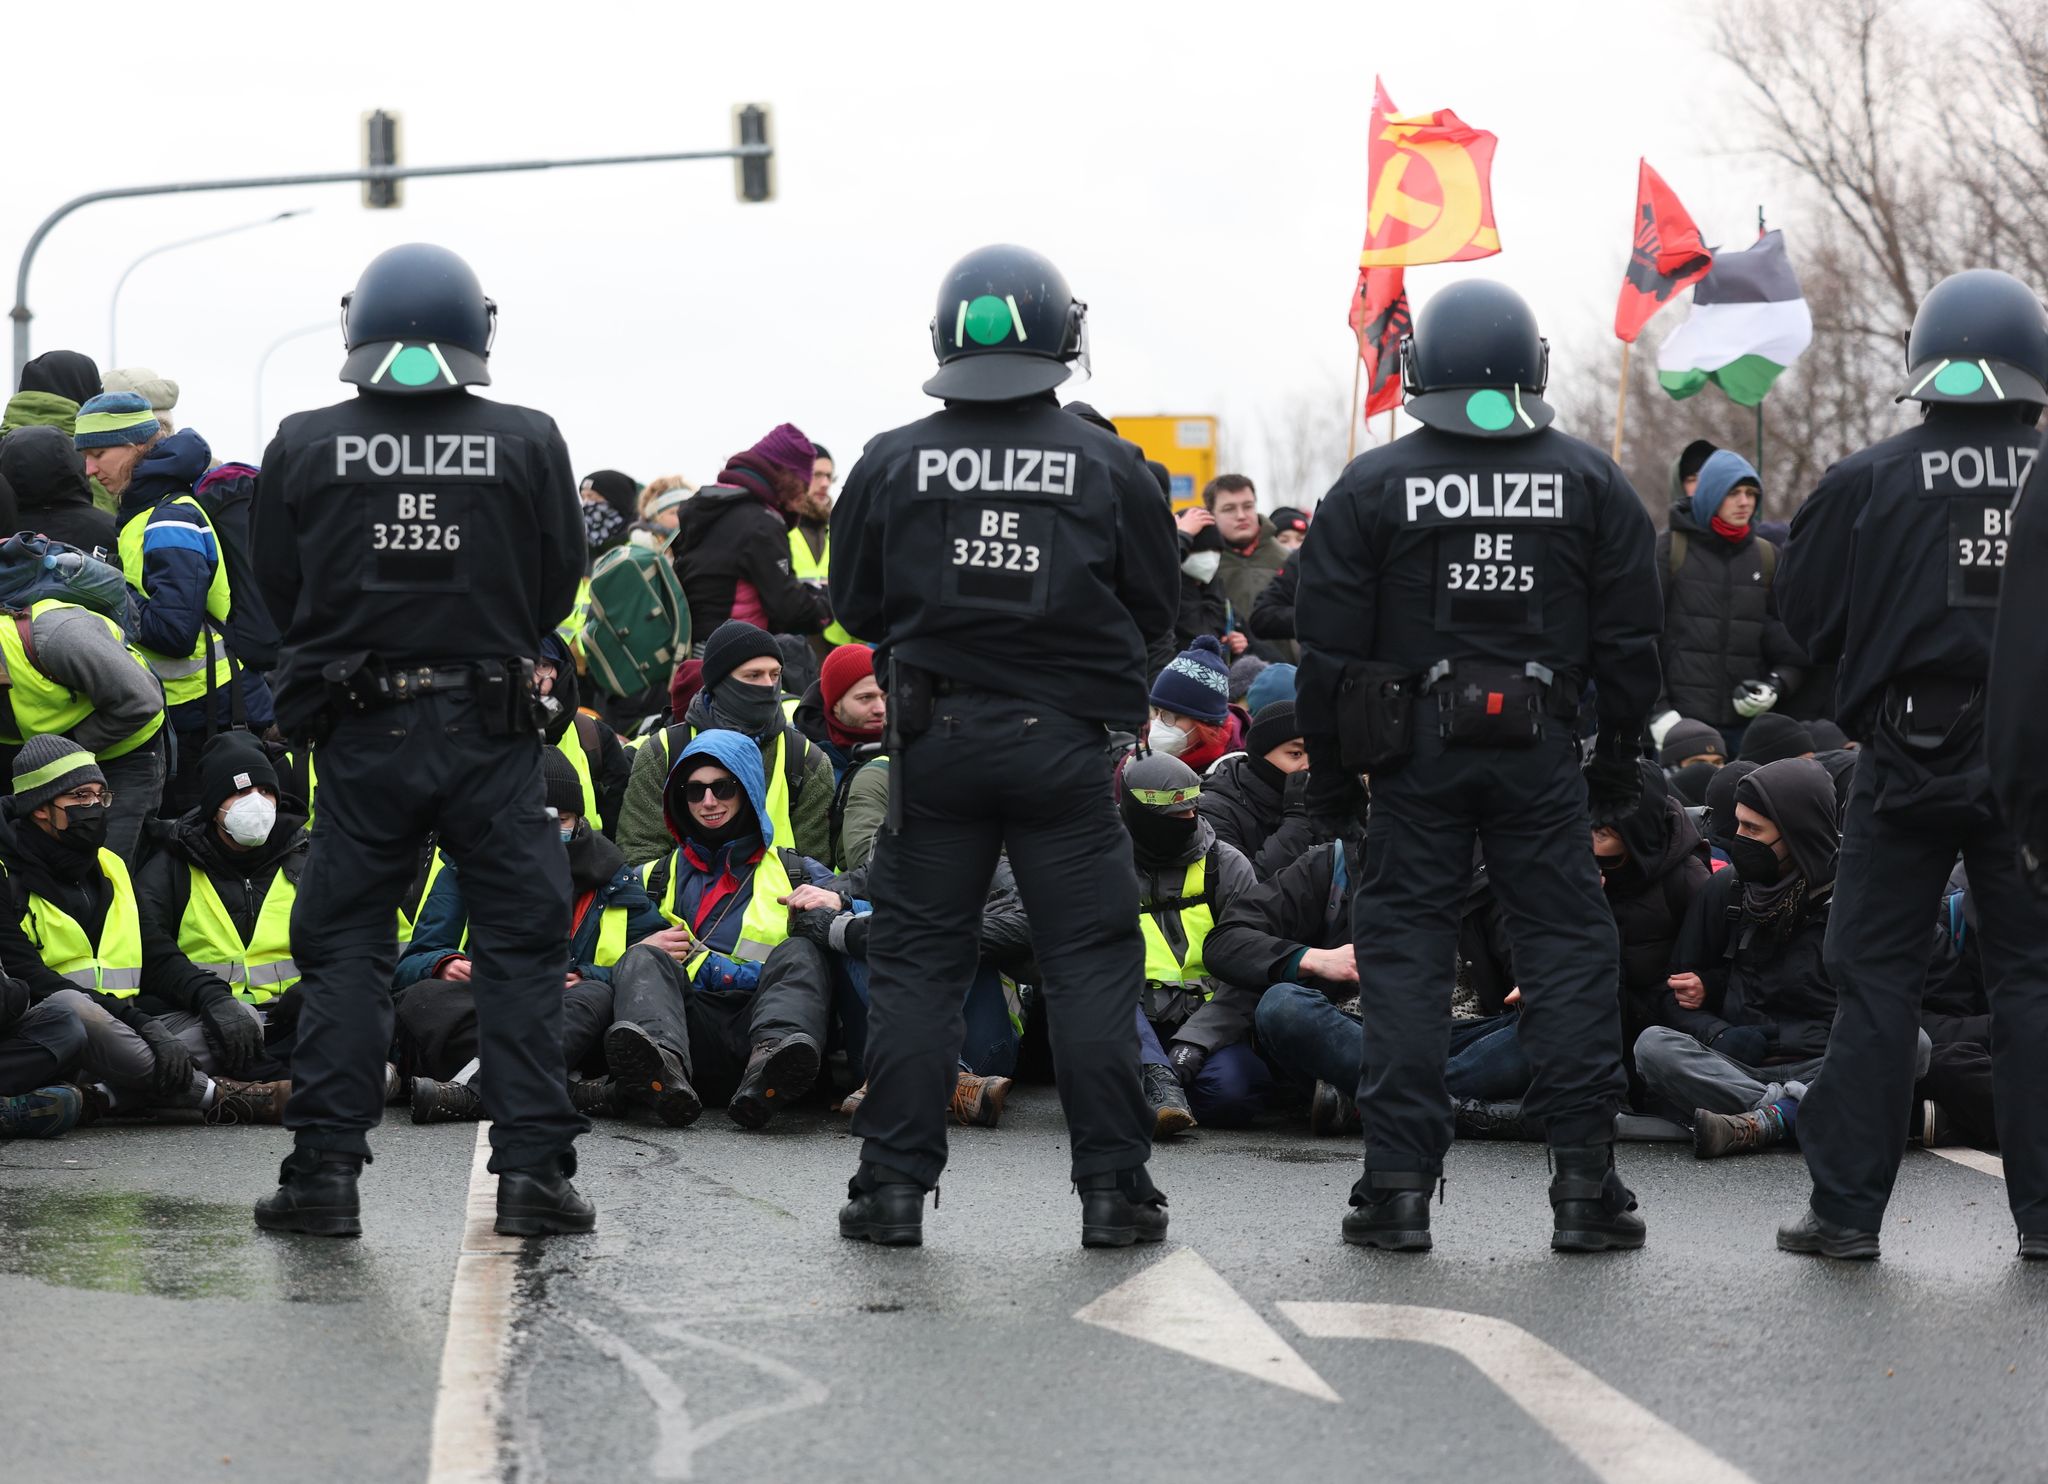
column 1226, row 1016
column 1273, row 613
column 1668, row 866
column 52, row 492
column 1721, row 623
column 1262, row 816
column 728, row 535
column 163, row 891
column 36, row 865
column 1782, row 986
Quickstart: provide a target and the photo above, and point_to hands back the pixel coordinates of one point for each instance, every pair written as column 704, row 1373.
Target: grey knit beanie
column 47, row 766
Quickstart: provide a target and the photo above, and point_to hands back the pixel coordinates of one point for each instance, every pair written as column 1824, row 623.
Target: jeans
column 1231, row 1088
column 987, row 1049
column 136, row 780
column 1689, row 1078
column 40, row 1048
column 1309, row 1039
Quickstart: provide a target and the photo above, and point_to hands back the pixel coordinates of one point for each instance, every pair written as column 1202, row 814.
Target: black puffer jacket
column 730, row 533
column 1254, row 806
column 1668, row 865
column 1721, row 623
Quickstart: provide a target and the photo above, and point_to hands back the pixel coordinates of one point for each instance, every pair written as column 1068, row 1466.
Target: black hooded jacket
column 1721, row 622
column 243, row 879
column 1650, row 894
column 729, row 533
column 52, row 492
column 1252, row 805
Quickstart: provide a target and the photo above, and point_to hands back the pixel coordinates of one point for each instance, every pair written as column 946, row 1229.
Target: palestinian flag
column 1749, row 322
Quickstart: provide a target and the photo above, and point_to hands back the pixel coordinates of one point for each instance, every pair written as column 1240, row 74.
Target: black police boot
column 1476, row 1120
column 446, row 1102
column 597, row 1097
column 1390, row 1210
column 778, row 1073
column 1814, row 1234
column 649, row 1074
column 2034, row 1246
column 1591, row 1210
column 1120, row 1207
column 883, row 1206
column 539, row 1200
column 316, row 1194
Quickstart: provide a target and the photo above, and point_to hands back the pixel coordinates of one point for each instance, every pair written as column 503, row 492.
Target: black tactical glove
column 850, row 934
column 813, row 924
column 1186, row 1059
column 231, row 1030
column 1614, row 778
column 173, row 1073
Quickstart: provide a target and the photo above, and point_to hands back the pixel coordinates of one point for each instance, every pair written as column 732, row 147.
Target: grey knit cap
column 47, row 766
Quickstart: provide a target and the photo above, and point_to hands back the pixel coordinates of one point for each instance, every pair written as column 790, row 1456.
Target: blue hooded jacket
column 699, row 873
column 1723, row 470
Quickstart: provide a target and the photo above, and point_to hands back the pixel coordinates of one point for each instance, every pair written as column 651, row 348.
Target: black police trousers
column 996, row 772
column 1897, row 853
column 387, row 778
column 1528, row 808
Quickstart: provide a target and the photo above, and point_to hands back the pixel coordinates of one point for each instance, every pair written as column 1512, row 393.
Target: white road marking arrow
column 1183, row 1304
column 1619, row 1440
column 1974, row 1159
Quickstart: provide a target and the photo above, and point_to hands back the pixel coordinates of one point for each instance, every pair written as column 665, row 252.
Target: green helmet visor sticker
column 987, row 320
column 1489, row 409
column 417, row 365
column 1958, row 379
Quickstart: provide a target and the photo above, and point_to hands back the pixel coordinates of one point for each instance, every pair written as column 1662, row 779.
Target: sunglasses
column 726, row 789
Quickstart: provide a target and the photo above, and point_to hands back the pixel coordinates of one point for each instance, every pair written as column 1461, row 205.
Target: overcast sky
column 1197, row 170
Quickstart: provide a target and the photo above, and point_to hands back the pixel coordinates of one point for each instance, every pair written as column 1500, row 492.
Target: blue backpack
column 34, row 567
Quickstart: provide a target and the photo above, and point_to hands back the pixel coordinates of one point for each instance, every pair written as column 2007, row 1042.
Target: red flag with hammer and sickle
column 1432, row 190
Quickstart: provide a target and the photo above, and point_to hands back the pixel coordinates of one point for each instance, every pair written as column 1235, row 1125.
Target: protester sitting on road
column 1772, row 738
column 216, row 898
column 611, row 503
column 732, row 542
column 1749, row 1008
column 1275, row 683
column 1191, row 715
column 1717, row 817
column 1652, row 864
column 756, row 996
column 845, row 709
column 1726, row 654
column 52, row 494
column 1206, row 1069
column 617, row 939
column 40, row 1044
column 1245, row 669
column 741, row 677
column 74, row 936
column 604, row 768
column 1253, row 799
column 1289, row 941
column 1687, row 742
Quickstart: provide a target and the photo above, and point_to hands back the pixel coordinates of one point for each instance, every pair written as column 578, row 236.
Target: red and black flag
column 1379, row 318
column 1666, row 256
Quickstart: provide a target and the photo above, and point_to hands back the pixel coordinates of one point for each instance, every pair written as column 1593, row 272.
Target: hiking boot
column 247, row 1102
column 778, row 1073
column 1119, row 1207
column 1331, row 1114
column 883, row 1206
column 45, row 1113
column 1170, row 1111
column 1390, row 1210
column 1718, row 1134
column 316, row 1194
column 978, row 1101
column 2034, row 1246
column 1474, row 1119
column 851, row 1102
column 446, row 1102
column 1591, row 1210
column 597, row 1097
column 539, row 1201
column 1813, row 1233
column 1933, row 1128
column 648, row 1074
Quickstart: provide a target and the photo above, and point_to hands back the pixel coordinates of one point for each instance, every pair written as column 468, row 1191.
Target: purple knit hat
column 788, row 449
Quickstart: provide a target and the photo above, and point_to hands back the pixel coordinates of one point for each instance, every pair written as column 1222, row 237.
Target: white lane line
column 1974, row 1159
column 1618, row 1439
column 1183, row 1304
column 467, row 1404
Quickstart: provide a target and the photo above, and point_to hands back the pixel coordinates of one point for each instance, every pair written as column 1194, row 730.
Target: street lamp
column 263, row 365
column 114, row 299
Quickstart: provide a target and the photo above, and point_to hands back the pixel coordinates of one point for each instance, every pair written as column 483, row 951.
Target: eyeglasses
column 85, row 798
column 726, row 789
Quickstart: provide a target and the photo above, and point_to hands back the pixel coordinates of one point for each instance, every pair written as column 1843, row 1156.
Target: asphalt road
column 716, row 1327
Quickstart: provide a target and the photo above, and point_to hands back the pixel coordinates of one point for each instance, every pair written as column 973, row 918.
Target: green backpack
column 638, row 626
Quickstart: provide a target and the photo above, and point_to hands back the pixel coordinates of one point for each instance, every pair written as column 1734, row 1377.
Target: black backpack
column 228, row 496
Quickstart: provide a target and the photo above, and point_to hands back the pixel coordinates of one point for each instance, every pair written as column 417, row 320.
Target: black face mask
column 1159, row 837
column 743, row 707
column 85, row 827
column 1609, row 864
column 1756, row 864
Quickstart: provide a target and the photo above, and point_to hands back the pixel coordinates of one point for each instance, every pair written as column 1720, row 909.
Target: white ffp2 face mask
column 1164, row 736
column 1202, row 565
column 250, row 819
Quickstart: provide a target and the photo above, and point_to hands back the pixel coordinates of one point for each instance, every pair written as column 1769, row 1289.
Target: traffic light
column 380, row 147
column 753, row 176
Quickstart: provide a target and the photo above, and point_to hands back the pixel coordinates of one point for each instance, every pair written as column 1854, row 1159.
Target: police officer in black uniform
column 1015, row 562
column 2016, row 721
column 1894, row 571
column 417, row 542
column 1459, row 590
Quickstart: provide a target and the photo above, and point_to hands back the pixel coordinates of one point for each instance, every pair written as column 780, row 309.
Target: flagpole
column 1621, row 402
column 1390, row 423
column 1351, row 430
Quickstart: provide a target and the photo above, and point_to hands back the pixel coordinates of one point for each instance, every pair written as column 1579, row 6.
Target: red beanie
column 683, row 687
column 844, row 668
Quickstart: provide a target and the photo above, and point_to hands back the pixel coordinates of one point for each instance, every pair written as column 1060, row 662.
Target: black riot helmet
column 1980, row 336
column 1474, row 364
column 417, row 321
column 1007, row 326
column 1156, row 798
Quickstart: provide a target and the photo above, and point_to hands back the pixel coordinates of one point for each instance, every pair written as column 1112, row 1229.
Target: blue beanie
column 1722, row 471
column 1197, row 683
column 114, row 418
column 1275, row 683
